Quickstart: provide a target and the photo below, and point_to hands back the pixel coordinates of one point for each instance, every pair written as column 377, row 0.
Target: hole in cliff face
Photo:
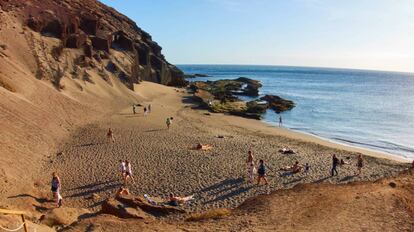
column 52, row 29
column 122, row 42
column 123, row 77
column 142, row 56
column 156, row 63
column 89, row 26
column 72, row 28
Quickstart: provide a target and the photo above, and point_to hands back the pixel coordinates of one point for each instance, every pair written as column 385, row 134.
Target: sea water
column 370, row 109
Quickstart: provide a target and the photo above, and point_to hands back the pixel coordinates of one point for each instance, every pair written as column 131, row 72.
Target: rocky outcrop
column 93, row 27
column 155, row 210
column 114, row 207
column 130, row 206
column 221, row 97
column 195, row 75
column 277, row 103
column 250, row 87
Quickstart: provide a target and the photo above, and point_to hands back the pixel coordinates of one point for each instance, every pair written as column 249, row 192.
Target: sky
column 363, row 34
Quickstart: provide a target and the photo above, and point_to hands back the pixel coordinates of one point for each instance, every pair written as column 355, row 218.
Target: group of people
column 336, row 162
column 125, row 169
column 251, row 169
column 147, row 109
column 295, row 168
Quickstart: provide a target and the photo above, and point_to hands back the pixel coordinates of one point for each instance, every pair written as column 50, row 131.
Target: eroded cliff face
column 101, row 38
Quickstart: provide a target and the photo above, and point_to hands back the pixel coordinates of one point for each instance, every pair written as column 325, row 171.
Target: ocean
column 369, row 109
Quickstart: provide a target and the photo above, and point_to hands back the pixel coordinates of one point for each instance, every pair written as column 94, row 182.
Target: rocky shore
column 222, row 97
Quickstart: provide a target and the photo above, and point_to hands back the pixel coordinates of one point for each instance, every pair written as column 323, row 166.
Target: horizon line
column 307, row 66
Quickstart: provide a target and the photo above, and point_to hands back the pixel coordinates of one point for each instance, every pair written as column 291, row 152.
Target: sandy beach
column 72, row 69
column 165, row 161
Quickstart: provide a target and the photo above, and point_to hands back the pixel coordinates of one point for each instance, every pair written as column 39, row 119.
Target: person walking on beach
column 110, row 136
column 360, row 164
column 261, row 171
column 250, row 166
column 307, row 168
column 169, row 122
column 133, row 109
column 128, row 173
column 335, row 163
column 56, row 185
column 280, row 120
column 122, row 169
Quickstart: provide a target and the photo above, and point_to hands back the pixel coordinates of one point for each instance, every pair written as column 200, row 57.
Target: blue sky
column 367, row 34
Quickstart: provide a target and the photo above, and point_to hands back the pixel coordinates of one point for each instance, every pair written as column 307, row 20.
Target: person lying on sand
column 200, row 146
column 121, row 191
column 149, row 199
column 295, row 168
column 176, row 201
column 286, row 151
column 343, row 162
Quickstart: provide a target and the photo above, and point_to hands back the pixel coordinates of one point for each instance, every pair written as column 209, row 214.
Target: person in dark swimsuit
column 335, row 162
column 360, row 164
column 56, row 185
column 261, row 171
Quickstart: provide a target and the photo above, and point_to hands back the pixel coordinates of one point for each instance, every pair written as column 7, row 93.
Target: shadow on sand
column 99, row 187
column 89, row 144
column 39, row 200
column 230, row 188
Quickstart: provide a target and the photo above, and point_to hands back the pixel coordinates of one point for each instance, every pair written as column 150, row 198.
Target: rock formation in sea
column 100, row 37
column 221, row 97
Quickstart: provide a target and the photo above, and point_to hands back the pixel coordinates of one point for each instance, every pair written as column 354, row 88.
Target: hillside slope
column 64, row 64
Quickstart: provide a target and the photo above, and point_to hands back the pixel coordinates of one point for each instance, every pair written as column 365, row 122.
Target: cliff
column 99, row 37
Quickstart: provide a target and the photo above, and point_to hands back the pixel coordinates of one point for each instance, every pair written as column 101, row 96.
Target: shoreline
column 307, row 137
column 166, row 161
column 330, row 142
column 375, row 153
column 271, row 129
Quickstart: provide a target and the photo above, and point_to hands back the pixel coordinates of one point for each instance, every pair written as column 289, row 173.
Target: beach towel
column 151, row 201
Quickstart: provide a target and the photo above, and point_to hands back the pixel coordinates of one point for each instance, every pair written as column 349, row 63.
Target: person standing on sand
column 250, row 166
column 307, row 168
column 335, row 163
column 280, row 120
column 169, row 122
column 56, row 185
column 122, row 169
column 110, row 136
column 360, row 164
column 261, row 171
column 128, row 173
column 133, row 109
